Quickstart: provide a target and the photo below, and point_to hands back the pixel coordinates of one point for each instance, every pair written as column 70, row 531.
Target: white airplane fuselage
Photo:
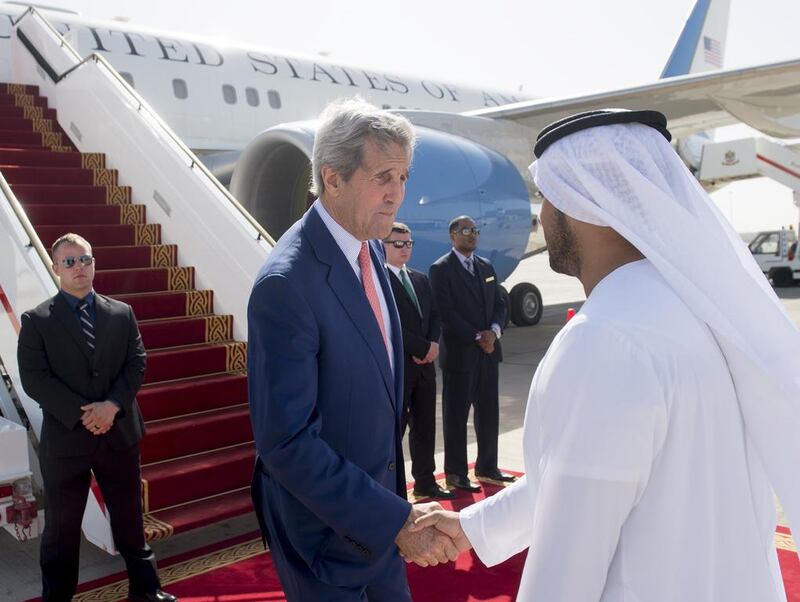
column 217, row 97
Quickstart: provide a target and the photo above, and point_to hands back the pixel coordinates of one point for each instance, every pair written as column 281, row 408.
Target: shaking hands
column 431, row 536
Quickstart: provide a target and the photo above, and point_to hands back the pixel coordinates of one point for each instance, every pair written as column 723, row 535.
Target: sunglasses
column 468, row 231
column 69, row 262
column 399, row 244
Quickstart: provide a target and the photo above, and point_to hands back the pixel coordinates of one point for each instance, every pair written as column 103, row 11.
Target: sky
column 544, row 48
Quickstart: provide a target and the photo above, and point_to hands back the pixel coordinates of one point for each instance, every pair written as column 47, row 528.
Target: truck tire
column 782, row 277
column 526, row 304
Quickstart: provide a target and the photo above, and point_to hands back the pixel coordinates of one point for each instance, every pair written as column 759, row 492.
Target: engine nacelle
column 450, row 176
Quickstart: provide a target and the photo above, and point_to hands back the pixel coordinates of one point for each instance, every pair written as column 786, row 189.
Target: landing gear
column 525, row 304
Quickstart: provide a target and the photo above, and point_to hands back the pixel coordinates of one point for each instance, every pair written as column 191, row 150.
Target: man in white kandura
column 664, row 411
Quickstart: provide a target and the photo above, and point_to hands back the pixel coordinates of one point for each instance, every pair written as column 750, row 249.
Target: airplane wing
column 765, row 97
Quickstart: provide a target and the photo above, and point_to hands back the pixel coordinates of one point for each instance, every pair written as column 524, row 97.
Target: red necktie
column 365, row 264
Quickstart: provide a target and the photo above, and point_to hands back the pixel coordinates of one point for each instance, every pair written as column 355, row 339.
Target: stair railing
column 194, row 162
column 34, row 241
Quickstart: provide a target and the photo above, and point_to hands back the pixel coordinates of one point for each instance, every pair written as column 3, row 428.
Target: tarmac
column 523, row 348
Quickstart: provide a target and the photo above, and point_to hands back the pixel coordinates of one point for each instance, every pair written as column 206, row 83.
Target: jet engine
column 450, row 176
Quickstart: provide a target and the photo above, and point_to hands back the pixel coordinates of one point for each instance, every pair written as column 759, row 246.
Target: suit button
column 95, row 374
column 391, row 466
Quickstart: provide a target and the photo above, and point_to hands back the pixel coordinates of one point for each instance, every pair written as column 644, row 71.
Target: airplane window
column 274, row 99
column 229, row 94
column 252, row 96
column 128, row 78
column 179, row 88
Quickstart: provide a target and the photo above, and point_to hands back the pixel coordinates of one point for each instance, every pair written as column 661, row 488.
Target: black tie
column 86, row 323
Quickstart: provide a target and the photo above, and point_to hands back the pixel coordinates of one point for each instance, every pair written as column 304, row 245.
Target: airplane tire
column 507, row 301
column 526, row 304
column 782, row 277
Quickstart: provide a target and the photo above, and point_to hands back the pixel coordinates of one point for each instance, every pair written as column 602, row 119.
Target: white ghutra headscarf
column 629, row 178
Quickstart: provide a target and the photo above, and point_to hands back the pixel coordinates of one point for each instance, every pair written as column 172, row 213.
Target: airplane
column 249, row 114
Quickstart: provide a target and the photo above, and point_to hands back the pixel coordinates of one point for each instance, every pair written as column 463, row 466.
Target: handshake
column 431, row 536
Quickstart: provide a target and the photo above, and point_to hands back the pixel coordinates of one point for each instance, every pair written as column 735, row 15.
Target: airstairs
column 81, row 152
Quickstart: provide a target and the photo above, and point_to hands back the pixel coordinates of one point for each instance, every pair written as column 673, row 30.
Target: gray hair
column 345, row 126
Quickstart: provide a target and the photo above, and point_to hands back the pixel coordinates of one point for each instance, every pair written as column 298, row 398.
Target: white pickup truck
column 777, row 256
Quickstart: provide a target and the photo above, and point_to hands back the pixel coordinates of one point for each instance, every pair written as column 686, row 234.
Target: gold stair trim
column 163, row 256
column 118, row 195
column 52, row 139
column 235, row 356
column 104, row 177
column 156, row 529
column 784, row 541
column 33, row 112
column 145, row 496
column 180, row 278
column 15, row 89
column 218, row 328
column 130, row 215
column 41, row 125
column 93, row 160
column 23, row 100
column 147, row 234
column 199, row 303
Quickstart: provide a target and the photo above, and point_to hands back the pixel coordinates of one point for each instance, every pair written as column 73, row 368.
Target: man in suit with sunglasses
column 82, row 360
column 421, row 330
column 467, row 295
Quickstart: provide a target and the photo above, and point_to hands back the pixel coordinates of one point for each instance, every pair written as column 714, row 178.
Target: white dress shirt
column 351, row 247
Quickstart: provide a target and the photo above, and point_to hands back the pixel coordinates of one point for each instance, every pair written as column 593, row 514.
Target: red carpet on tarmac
column 239, row 570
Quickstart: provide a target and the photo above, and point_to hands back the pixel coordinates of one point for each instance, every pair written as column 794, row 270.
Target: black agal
column 590, row 119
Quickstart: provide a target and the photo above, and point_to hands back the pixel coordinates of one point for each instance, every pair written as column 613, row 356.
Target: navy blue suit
column 329, row 484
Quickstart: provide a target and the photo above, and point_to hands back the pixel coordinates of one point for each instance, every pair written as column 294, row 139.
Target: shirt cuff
column 497, row 330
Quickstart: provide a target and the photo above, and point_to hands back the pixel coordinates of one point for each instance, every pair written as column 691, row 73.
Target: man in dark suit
column 325, row 370
column 421, row 330
column 472, row 310
column 81, row 359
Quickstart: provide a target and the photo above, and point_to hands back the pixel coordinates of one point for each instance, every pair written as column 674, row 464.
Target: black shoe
column 495, row 475
column 464, row 483
column 157, row 596
column 434, row 491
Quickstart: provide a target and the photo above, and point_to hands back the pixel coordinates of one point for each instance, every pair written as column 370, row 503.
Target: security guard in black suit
column 421, row 329
column 82, row 360
column 472, row 311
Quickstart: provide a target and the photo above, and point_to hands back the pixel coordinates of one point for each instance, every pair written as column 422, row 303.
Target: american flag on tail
column 712, row 51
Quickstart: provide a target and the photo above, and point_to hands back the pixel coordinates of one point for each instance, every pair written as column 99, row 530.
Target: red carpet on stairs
column 198, row 454
column 239, row 570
